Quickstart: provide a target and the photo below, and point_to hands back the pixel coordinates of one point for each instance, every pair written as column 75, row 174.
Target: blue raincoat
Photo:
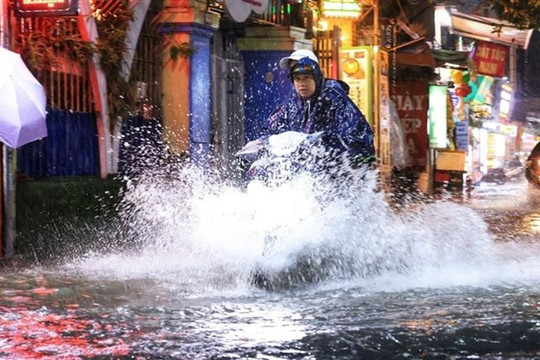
column 329, row 110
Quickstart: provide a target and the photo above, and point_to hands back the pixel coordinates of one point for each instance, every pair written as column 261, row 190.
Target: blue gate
column 70, row 149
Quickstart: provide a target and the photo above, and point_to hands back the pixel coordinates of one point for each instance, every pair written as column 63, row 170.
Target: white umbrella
column 22, row 102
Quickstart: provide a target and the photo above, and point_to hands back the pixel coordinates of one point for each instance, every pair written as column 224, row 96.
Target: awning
column 443, row 56
column 483, row 28
column 414, row 53
column 412, row 59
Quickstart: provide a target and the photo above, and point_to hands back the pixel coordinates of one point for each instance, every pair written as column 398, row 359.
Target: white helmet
column 297, row 55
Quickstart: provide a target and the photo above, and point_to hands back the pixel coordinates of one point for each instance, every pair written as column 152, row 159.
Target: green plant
column 41, row 48
column 111, row 48
column 183, row 49
column 523, row 14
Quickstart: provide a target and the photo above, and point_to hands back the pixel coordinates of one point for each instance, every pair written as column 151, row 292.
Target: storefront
column 480, row 131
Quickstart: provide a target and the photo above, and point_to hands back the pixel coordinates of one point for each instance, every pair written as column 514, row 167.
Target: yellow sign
column 355, row 66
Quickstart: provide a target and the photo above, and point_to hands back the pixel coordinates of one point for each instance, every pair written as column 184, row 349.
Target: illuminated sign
column 46, row 7
column 437, row 116
column 506, row 101
column 341, row 8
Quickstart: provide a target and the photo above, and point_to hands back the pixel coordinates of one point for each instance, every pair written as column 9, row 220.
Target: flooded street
column 442, row 280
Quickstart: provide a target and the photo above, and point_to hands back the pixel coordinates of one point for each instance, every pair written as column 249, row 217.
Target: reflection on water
column 42, row 316
column 84, row 318
column 426, row 282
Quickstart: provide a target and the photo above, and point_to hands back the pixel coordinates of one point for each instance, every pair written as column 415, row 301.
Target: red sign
column 490, row 59
column 411, row 100
column 46, row 7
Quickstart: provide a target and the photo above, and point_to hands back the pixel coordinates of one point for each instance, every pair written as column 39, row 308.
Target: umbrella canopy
column 22, row 102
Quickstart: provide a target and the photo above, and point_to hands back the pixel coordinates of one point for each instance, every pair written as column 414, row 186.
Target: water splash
column 198, row 233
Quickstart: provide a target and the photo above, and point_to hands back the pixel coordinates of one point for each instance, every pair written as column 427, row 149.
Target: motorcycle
column 274, row 160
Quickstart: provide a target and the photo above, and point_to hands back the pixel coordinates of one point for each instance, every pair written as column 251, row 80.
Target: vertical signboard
column 505, row 104
column 437, row 116
column 496, row 145
column 411, row 102
column 384, row 114
column 462, row 135
column 355, row 65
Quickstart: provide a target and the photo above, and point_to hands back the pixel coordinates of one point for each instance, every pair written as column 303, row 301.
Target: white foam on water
column 200, row 236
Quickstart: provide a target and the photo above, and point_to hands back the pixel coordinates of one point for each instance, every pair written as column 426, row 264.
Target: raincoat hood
column 308, row 66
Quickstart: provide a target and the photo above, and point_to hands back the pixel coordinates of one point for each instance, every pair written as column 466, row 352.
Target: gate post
column 187, row 84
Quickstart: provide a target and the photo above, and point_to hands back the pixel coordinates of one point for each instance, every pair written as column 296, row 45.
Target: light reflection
column 532, row 222
column 262, row 326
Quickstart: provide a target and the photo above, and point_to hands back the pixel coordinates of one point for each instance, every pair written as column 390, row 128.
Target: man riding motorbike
column 322, row 105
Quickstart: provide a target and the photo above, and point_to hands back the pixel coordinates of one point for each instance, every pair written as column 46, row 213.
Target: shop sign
column 437, row 116
column 341, row 8
column 496, row 145
column 509, row 130
column 46, row 7
column 411, row 102
column 355, row 66
column 505, row 101
column 490, row 59
column 462, row 135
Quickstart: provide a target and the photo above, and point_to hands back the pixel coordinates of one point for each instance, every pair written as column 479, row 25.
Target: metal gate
column 227, row 100
column 326, row 45
column 141, row 130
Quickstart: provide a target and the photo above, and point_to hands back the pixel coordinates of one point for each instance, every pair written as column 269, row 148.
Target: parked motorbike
column 514, row 173
column 495, row 175
column 501, row 175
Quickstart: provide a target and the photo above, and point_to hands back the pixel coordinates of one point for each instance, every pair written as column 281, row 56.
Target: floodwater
column 348, row 277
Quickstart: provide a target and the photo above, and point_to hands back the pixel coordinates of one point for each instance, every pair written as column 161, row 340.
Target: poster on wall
column 411, row 103
column 355, row 65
